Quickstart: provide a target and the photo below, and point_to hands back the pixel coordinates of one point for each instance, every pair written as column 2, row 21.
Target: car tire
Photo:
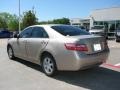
column 10, row 52
column 116, row 40
column 49, row 65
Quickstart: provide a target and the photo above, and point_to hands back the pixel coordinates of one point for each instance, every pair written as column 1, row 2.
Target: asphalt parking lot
column 22, row 75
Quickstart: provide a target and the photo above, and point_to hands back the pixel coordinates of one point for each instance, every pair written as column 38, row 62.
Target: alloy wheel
column 48, row 65
column 10, row 53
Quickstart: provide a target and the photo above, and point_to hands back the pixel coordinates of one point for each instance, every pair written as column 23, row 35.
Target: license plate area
column 97, row 47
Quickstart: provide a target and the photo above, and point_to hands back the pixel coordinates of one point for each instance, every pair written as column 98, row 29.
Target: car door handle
column 43, row 42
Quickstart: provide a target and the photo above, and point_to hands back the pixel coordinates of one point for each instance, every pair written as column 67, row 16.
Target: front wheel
column 49, row 65
column 10, row 52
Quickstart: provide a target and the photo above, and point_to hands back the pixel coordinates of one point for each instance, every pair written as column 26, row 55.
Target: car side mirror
column 16, row 35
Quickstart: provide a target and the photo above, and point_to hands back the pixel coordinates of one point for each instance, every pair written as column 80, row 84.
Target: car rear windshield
column 70, row 30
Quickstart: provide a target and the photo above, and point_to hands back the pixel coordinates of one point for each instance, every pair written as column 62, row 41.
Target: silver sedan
column 58, row 47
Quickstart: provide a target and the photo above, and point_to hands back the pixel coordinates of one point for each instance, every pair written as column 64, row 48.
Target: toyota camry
column 58, row 48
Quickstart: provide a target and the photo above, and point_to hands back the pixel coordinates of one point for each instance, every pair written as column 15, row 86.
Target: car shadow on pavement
column 29, row 64
column 98, row 78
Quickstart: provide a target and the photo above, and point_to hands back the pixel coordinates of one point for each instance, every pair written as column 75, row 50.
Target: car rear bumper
column 79, row 62
column 92, row 60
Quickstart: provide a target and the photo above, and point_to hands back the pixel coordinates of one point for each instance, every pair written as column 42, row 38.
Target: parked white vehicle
column 117, row 34
column 98, row 30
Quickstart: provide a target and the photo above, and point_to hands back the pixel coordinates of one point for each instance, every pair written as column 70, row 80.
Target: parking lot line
column 117, row 64
column 114, row 46
column 110, row 65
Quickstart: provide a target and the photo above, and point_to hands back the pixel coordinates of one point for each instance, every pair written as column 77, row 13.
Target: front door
column 21, row 42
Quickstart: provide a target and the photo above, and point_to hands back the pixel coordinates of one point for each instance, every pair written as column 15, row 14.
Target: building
column 80, row 22
column 109, row 17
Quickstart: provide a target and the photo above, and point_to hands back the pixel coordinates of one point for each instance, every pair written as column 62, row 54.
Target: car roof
column 44, row 25
column 50, row 32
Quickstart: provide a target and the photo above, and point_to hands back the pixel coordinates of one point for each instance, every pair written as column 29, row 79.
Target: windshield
column 69, row 30
column 98, row 27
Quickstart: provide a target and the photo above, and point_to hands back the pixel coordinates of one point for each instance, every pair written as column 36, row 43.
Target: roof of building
column 106, row 14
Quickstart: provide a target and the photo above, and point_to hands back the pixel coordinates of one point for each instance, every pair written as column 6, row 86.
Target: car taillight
column 76, row 47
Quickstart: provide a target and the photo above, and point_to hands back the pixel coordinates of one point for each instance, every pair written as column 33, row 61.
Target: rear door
column 37, row 42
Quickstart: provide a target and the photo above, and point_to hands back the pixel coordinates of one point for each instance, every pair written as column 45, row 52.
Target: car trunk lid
column 94, row 44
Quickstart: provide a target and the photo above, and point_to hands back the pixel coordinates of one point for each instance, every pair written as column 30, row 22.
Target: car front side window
column 26, row 33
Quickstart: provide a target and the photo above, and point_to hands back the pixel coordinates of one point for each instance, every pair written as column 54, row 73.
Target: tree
column 7, row 16
column 8, row 21
column 13, row 25
column 3, row 23
column 61, row 21
column 29, row 18
column 57, row 21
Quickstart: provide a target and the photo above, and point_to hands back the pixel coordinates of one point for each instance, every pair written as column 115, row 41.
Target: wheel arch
column 47, row 53
column 9, row 45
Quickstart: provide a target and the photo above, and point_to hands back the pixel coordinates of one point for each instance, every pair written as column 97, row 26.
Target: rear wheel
column 10, row 52
column 49, row 65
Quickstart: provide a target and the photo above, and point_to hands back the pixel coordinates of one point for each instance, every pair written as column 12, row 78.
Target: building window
column 95, row 23
column 98, row 23
column 117, row 24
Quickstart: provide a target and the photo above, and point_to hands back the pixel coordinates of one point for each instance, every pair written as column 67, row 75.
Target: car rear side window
column 69, row 30
column 39, row 32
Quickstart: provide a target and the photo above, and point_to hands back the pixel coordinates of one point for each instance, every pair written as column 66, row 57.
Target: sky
column 52, row 9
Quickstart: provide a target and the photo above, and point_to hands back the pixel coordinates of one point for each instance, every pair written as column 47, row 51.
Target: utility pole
column 19, row 18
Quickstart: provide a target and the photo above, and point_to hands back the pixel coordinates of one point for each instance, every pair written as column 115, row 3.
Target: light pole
column 19, row 18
